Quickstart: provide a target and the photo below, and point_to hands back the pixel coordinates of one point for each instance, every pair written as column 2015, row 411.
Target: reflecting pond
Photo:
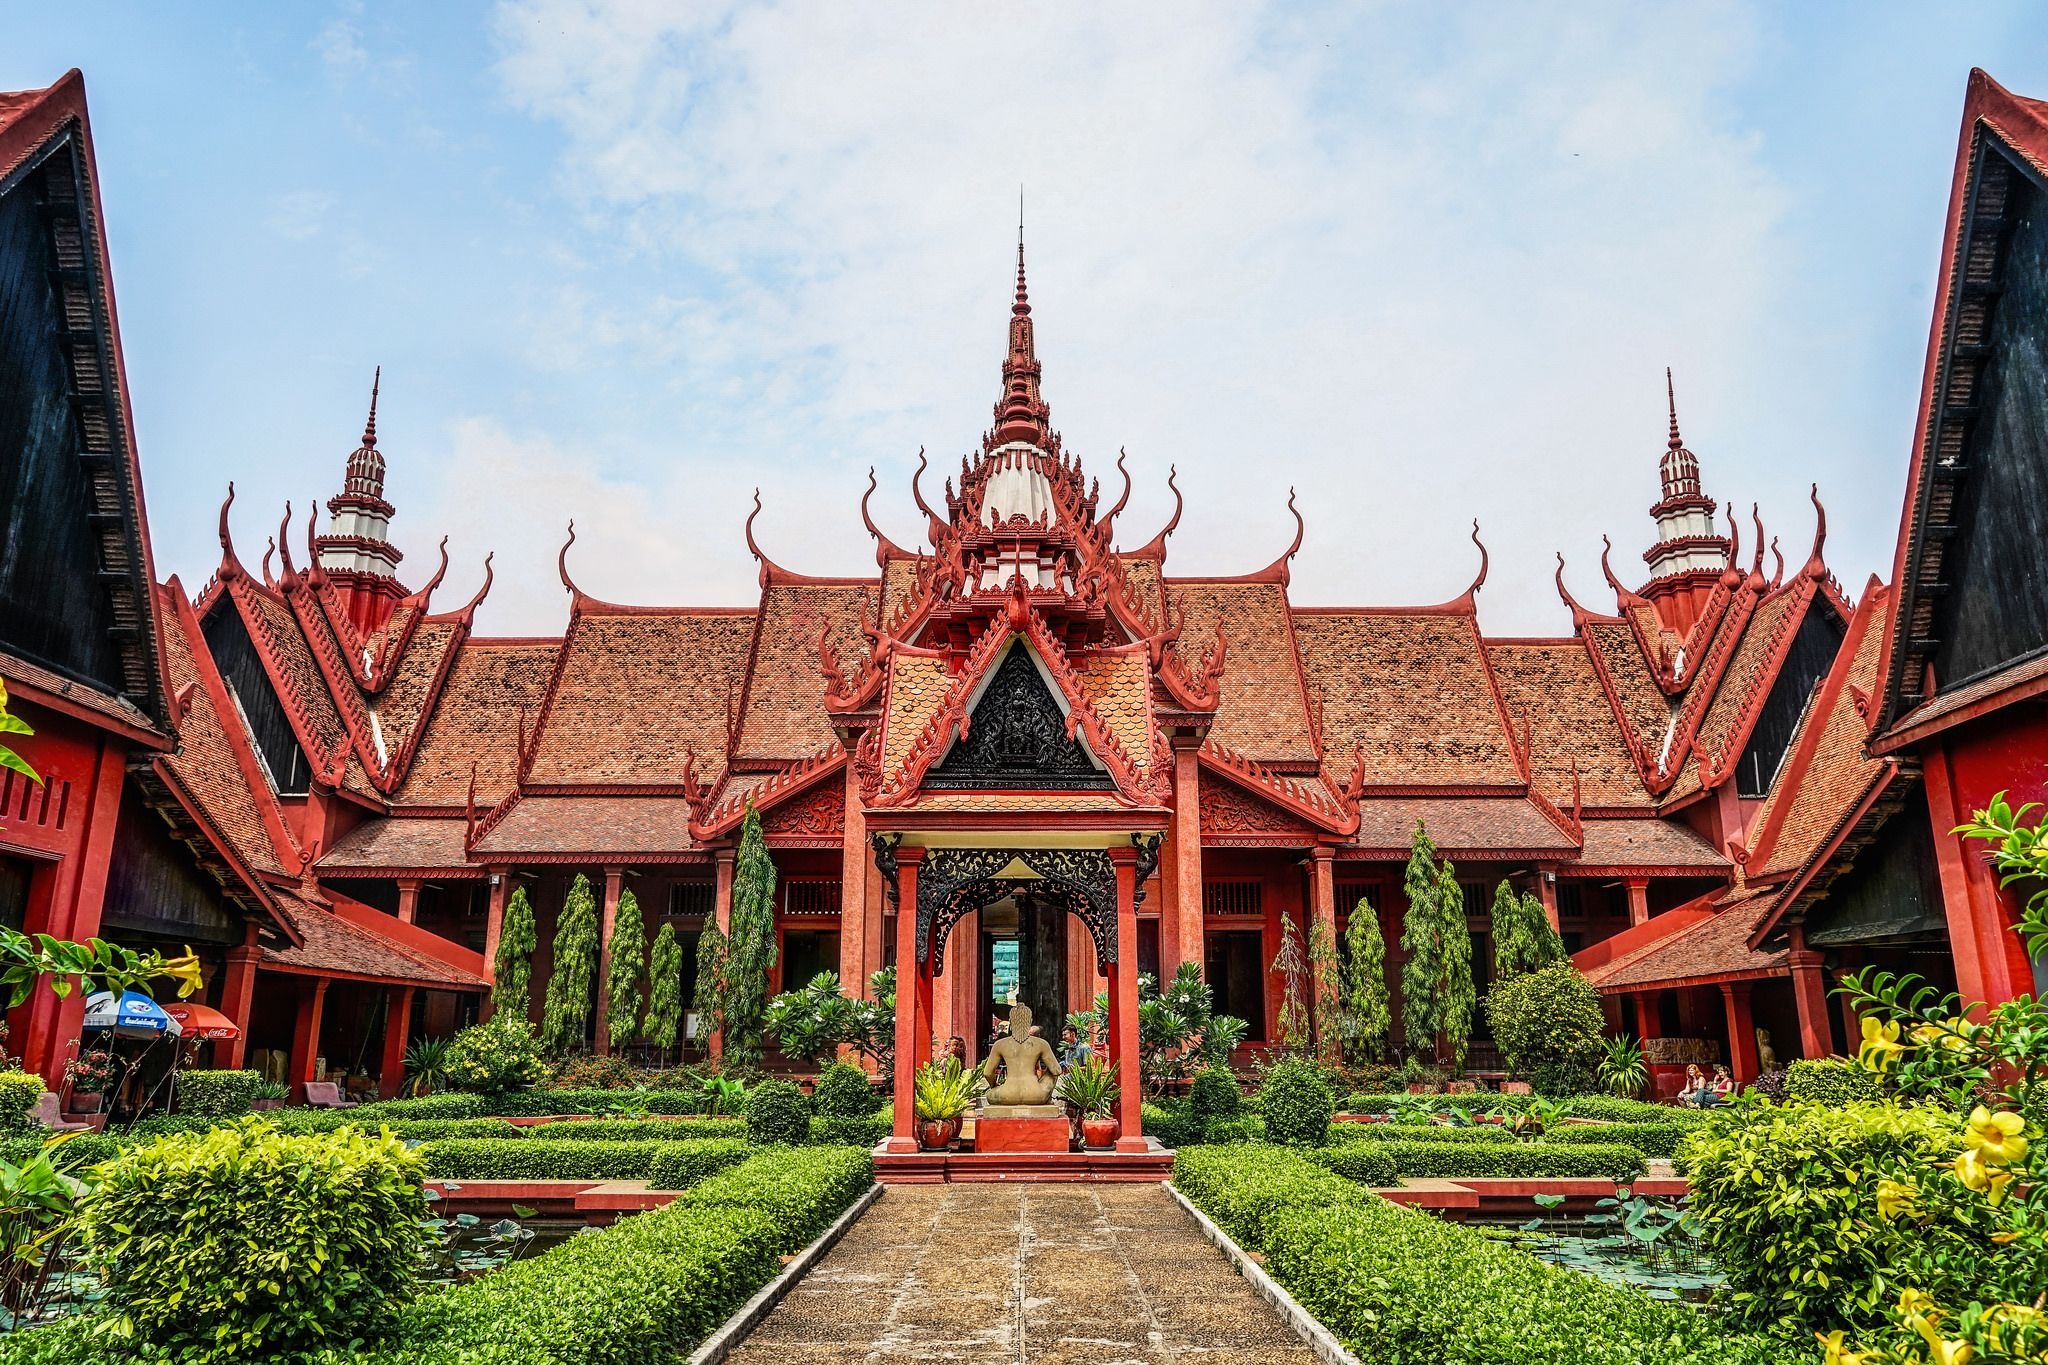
column 1640, row 1241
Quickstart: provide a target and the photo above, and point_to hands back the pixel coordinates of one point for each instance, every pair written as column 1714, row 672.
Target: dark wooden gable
column 227, row 639
column 156, row 887
column 74, row 572
column 1814, row 646
column 1017, row 738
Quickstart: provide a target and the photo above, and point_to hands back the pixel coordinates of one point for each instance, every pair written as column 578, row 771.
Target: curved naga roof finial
column 1484, row 560
column 1756, row 563
column 885, row 548
column 1732, row 576
column 938, row 523
column 269, row 552
column 1580, row 615
column 284, row 549
column 1816, row 567
column 469, row 608
column 313, row 569
column 421, row 598
column 1155, row 548
column 1125, row 499
column 562, row 562
column 1277, row 571
column 1623, row 598
column 229, row 564
column 1777, row 565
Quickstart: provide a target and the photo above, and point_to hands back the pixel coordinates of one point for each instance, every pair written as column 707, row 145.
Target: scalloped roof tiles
column 1572, row 728
column 1262, row 711
column 491, row 688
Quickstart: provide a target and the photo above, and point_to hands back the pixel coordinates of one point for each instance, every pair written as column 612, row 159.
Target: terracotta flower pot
column 1099, row 1133
column 84, row 1103
column 935, row 1135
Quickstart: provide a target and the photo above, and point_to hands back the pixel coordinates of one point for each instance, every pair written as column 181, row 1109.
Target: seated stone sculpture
column 1030, row 1067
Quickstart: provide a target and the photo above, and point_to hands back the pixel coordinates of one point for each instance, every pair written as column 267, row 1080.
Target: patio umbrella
column 201, row 1022
column 133, row 1015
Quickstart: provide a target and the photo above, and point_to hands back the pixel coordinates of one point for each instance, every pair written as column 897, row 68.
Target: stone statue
column 1766, row 1055
column 1030, row 1067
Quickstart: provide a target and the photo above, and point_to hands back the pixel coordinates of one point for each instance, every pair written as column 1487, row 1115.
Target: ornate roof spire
column 1680, row 468
column 366, row 467
column 1020, row 413
column 1690, row 554
column 356, row 553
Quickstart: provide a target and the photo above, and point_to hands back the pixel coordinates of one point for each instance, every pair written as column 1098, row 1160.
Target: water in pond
column 1644, row 1243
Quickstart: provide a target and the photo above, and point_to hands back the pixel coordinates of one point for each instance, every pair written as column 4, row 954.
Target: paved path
column 1045, row 1274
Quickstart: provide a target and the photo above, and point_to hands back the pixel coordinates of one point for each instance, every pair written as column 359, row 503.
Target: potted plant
column 269, row 1095
column 1092, row 1088
column 87, row 1076
column 940, row 1097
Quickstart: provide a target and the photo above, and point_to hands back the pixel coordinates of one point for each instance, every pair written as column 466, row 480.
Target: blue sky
column 624, row 260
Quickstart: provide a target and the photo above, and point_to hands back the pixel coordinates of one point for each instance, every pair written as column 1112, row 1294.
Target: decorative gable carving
column 1017, row 735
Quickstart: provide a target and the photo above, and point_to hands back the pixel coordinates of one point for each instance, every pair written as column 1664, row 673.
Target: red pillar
column 408, row 899
column 1124, row 1039
column 306, row 1036
column 614, row 884
column 1991, row 961
column 1810, row 994
column 1649, row 1016
column 397, row 1023
column 1322, row 899
column 1546, row 891
column 77, row 892
column 1638, row 900
column 1182, row 906
column 909, row 977
column 1741, row 1031
column 853, row 900
column 237, row 996
column 494, row 924
column 721, row 912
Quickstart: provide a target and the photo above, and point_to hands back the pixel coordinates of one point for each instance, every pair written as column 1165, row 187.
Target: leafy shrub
column 680, row 1165
column 1483, row 1133
column 1511, row 1160
column 245, row 1241
column 494, row 1057
column 1612, row 1109
column 19, row 1092
column 1296, row 1102
column 846, row 1132
column 1549, row 1015
column 801, row 1190
column 1830, row 1081
column 842, row 1092
column 541, row 1159
column 217, row 1094
column 1171, row 1124
column 1652, row 1139
column 1404, row 1288
column 1215, row 1095
column 541, row 1103
column 588, row 1071
column 638, row 1130
column 1243, row 1128
column 1477, row 1102
column 1367, row 1163
column 425, row 1107
column 1564, row 1080
column 1789, row 1198
column 776, row 1112
column 1770, row 1084
column 80, row 1151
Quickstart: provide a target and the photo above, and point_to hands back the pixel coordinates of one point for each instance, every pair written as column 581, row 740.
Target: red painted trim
column 410, row 936
column 1908, row 732
column 141, row 734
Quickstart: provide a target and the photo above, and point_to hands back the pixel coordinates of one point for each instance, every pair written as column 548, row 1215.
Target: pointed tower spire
column 357, row 553
column 1690, row 554
column 1020, row 413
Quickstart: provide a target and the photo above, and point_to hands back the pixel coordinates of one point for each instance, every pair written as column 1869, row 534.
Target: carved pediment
column 1017, row 735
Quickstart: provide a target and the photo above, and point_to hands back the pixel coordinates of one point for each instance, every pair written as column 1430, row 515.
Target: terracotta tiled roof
column 1141, row 583
column 1118, row 686
column 16, row 669
column 492, row 686
column 1262, row 712
column 1648, row 843
column 785, row 712
column 930, row 801
column 1749, row 675
column 402, row 705
column 591, row 824
column 333, row 944
column 1714, row 948
column 636, row 693
column 205, row 763
column 1573, row 732
column 1945, row 704
column 291, row 667
column 397, row 842
column 1826, row 774
column 899, row 586
column 1412, row 689
column 1460, row 825
column 917, row 687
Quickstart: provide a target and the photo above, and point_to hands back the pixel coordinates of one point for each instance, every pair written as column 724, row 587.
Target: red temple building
column 1028, row 752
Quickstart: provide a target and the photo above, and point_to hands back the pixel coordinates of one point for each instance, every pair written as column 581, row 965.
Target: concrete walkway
column 1047, row 1274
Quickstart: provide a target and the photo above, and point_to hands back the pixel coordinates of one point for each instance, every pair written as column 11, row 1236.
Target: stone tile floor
column 1046, row 1274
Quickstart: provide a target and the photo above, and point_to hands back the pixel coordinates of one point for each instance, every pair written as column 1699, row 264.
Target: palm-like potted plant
column 941, row 1095
column 1092, row 1088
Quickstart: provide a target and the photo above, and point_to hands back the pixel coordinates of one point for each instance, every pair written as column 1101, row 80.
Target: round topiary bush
column 1215, row 1095
column 1548, row 1015
column 842, row 1093
column 776, row 1113
column 1564, row 1080
column 244, row 1243
column 217, row 1094
column 1297, row 1103
column 495, row 1057
column 19, row 1092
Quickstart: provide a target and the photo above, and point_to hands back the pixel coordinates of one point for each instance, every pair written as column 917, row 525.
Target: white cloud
column 301, row 214
column 1425, row 265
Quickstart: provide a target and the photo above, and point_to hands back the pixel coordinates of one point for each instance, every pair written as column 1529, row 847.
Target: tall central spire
column 1020, row 413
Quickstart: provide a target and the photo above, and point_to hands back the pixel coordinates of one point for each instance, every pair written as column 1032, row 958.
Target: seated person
column 1030, row 1070
column 1696, row 1092
column 1723, row 1087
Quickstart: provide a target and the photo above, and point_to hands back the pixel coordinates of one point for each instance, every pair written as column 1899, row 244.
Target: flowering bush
column 495, row 1057
column 89, row 1072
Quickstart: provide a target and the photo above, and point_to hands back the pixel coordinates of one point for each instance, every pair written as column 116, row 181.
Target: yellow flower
column 1980, row 1175
column 185, row 971
column 1895, row 1197
column 1837, row 1353
column 1881, row 1046
column 1913, row 1303
column 1949, row 1037
column 1996, row 1137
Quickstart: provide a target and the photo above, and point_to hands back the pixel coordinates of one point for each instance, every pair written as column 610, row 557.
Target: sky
column 625, row 261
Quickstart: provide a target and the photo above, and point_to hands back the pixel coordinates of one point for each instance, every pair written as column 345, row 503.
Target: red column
column 1991, row 961
column 306, row 1036
column 853, row 898
column 908, row 980
column 721, row 913
column 408, row 899
column 1810, row 994
column 237, row 996
column 1638, row 900
column 1649, row 1015
column 397, row 1023
column 1183, row 904
column 494, row 924
column 78, row 889
column 1322, row 899
column 1741, row 1031
column 1124, row 1039
column 1546, row 891
column 614, row 883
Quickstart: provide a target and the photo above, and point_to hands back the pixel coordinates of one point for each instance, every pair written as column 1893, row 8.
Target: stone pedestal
column 1022, row 1128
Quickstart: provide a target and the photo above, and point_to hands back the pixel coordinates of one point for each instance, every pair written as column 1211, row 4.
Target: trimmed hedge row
column 1652, row 1139
column 539, row 1159
column 679, row 1165
column 1364, row 1161
column 19, row 1092
column 1608, row 1108
column 1481, row 1134
column 1404, row 1288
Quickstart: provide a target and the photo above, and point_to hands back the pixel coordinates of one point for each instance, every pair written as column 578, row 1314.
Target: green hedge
column 540, row 1159
column 1380, row 1102
column 801, row 1188
column 637, row 1130
column 1404, row 1288
column 1654, row 1139
column 19, row 1092
column 80, row 1152
column 1614, row 1109
column 217, row 1094
column 1172, row 1125
column 1484, row 1134
column 535, row 1103
column 852, row 1132
column 449, row 1106
column 1832, row 1081
column 1367, row 1163
column 1481, row 1160
column 679, row 1165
